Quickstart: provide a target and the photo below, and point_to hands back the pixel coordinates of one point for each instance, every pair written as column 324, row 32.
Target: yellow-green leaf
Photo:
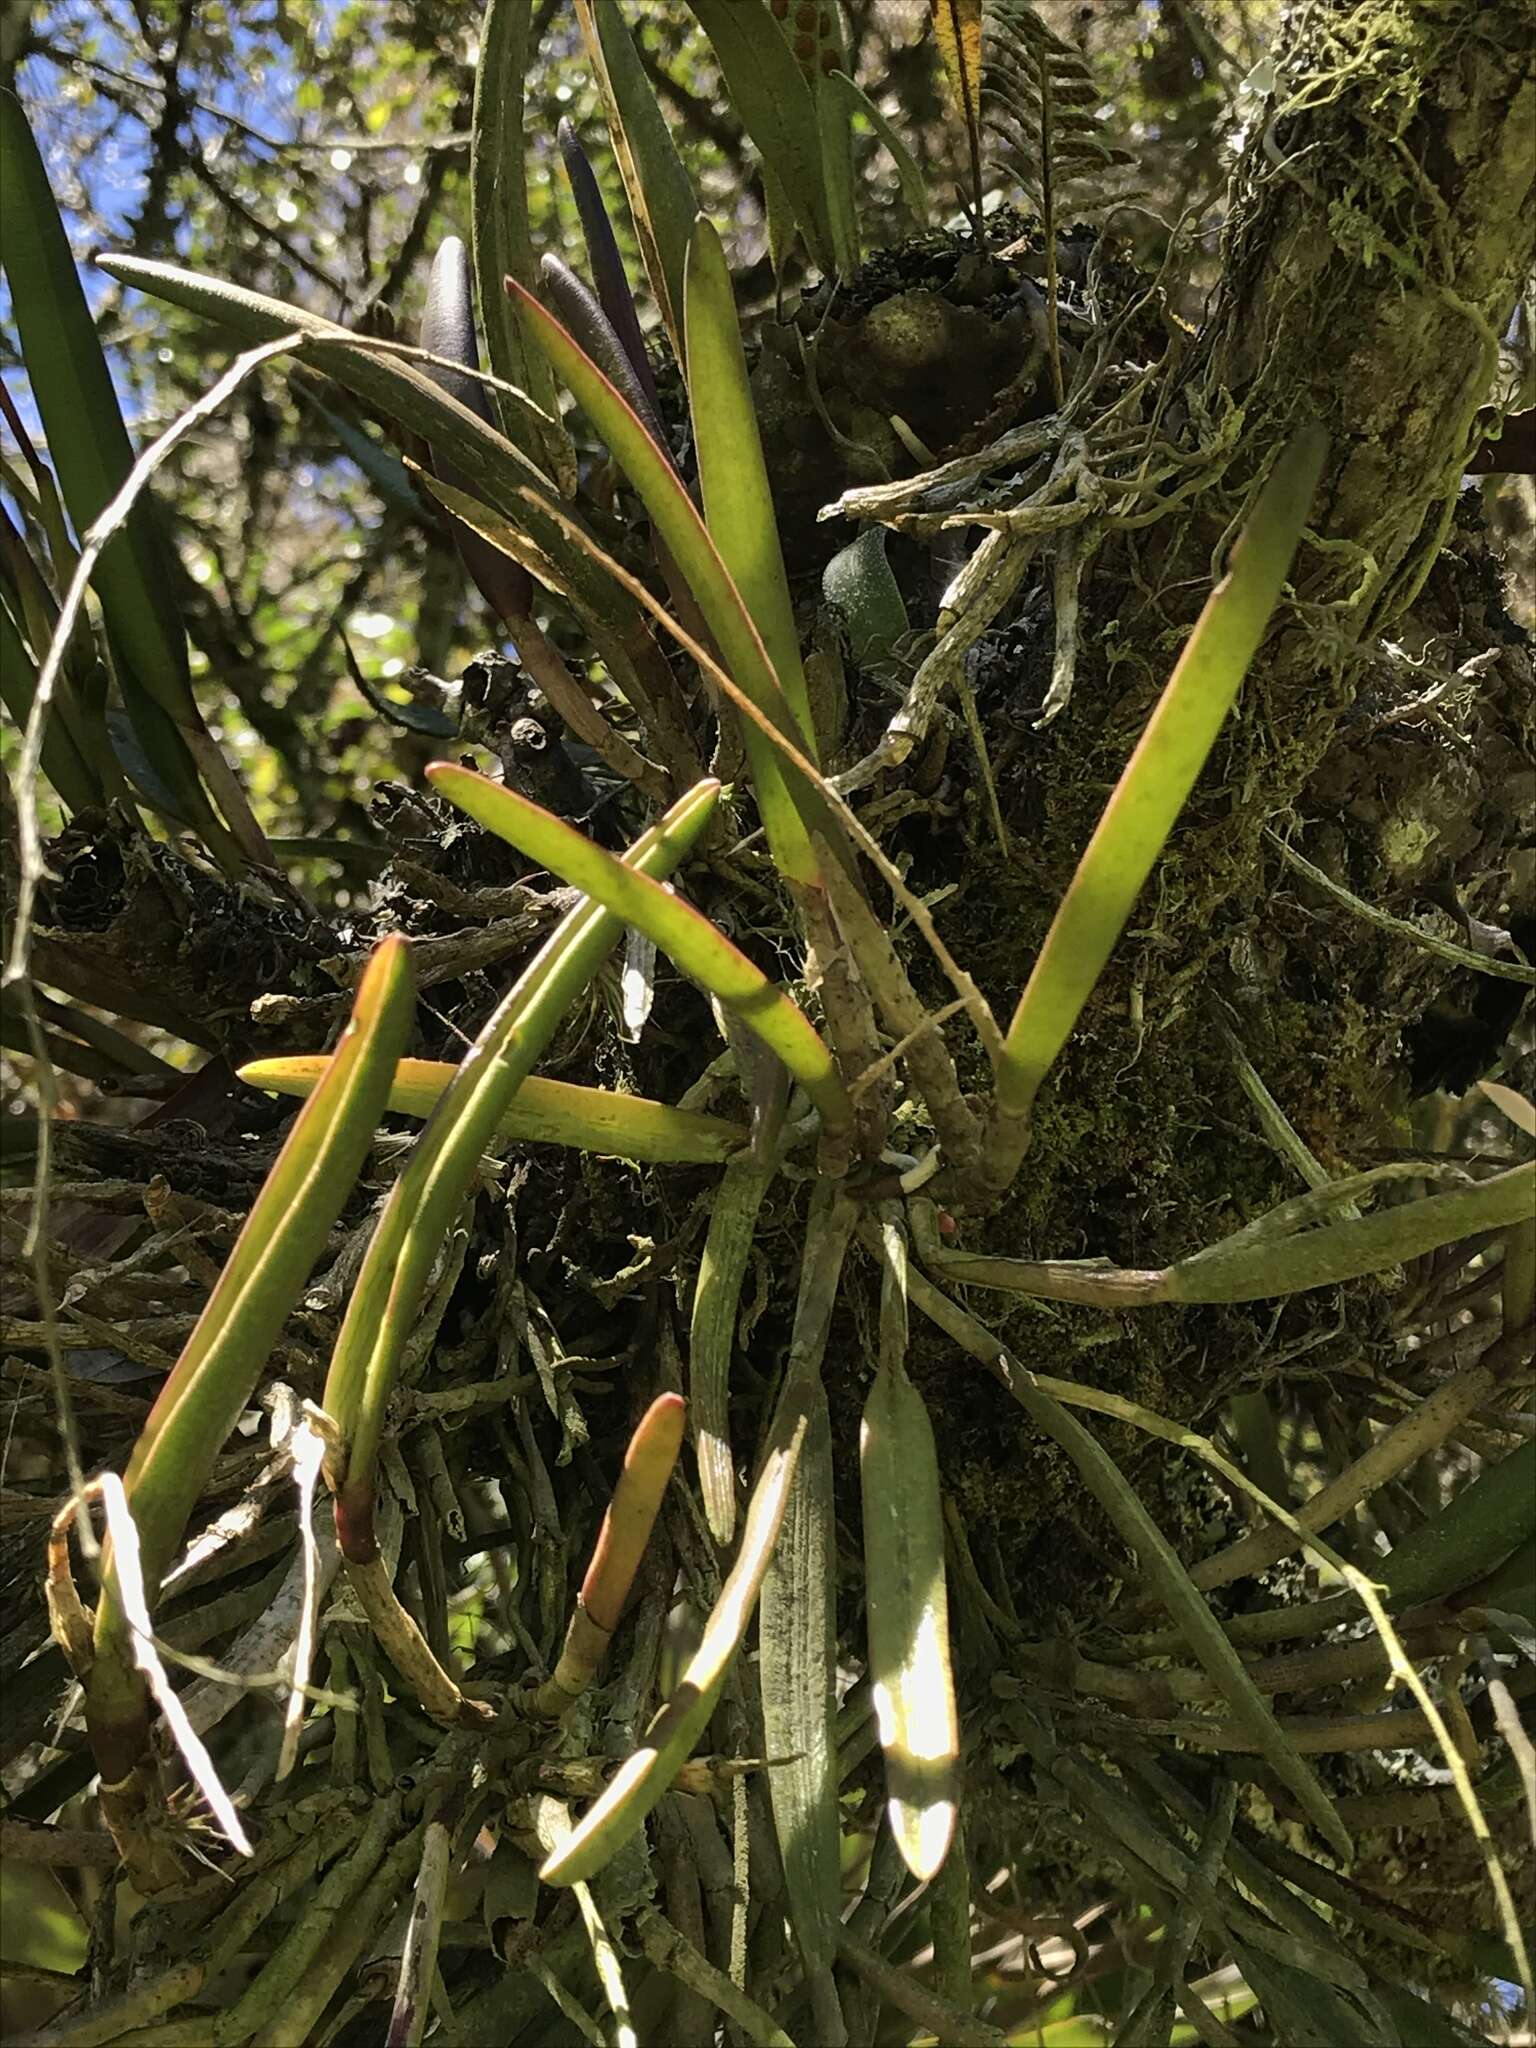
column 542, row 1112
column 426, row 1197
column 500, row 233
column 1151, row 792
column 777, row 107
column 733, row 477
column 697, row 946
column 661, row 199
column 214, row 1377
column 677, row 520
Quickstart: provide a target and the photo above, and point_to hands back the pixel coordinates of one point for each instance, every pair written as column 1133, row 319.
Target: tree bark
column 1372, row 260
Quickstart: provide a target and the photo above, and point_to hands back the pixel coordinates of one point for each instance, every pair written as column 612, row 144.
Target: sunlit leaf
column 957, row 31
column 87, row 442
column 402, row 390
column 1152, row 791
column 502, row 242
column 427, row 1196
column 91, row 455
column 678, row 522
column 661, row 198
column 543, row 1112
column 681, row 931
column 626, row 1529
column 776, row 105
column 733, row 477
column 906, row 1604
column 227, row 1351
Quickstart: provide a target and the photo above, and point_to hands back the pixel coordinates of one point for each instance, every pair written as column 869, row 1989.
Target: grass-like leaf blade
column 661, row 197
column 493, row 468
column 92, row 456
column 777, row 107
column 1187, row 1607
column 500, row 234
column 87, row 442
column 914, row 186
column 1259, row 1264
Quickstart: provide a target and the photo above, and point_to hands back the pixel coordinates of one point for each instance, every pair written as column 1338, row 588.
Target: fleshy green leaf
column 661, row 198
column 688, row 937
column 858, row 585
column 87, row 441
column 733, row 477
column 402, row 390
column 678, row 522
column 1154, row 787
column 301, row 1199
column 503, row 245
column 641, row 1781
column 621, row 1542
column 426, row 1197
column 91, row 454
column 542, row 1112
column 777, row 107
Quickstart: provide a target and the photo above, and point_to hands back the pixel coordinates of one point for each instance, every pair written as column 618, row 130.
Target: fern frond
column 1041, row 102
column 1039, row 99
